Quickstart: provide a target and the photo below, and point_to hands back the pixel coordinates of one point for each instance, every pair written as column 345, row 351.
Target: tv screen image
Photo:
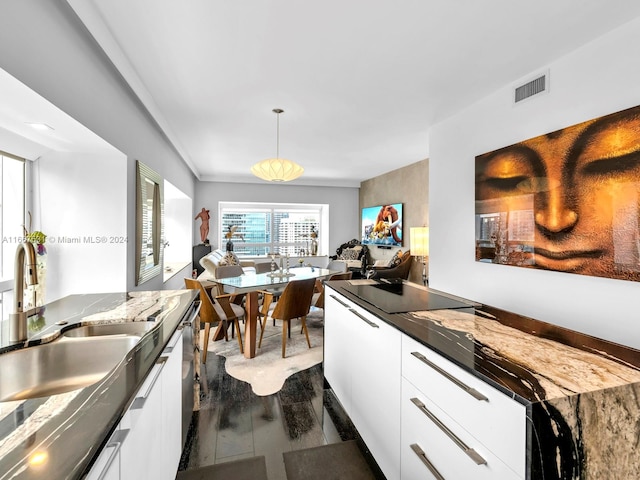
column 382, row 225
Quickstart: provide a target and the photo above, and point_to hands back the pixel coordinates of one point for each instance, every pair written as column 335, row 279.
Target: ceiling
column 360, row 81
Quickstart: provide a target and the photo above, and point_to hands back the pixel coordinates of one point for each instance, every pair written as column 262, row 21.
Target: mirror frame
column 149, row 222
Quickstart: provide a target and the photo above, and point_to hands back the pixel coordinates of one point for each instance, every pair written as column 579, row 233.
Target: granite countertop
column 60, row 435
column 527, row 359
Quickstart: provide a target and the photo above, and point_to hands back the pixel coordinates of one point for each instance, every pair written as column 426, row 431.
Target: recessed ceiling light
column 40, row 126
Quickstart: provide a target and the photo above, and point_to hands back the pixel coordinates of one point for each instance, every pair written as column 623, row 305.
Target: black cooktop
column 397, row 297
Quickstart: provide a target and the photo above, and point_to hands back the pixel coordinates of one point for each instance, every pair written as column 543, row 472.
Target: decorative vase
column 314, row 246
column 229, row 246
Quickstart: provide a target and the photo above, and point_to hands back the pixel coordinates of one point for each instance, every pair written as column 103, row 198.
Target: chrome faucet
column 18, row 319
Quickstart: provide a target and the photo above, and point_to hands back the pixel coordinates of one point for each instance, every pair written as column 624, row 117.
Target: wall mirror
column 149, row 224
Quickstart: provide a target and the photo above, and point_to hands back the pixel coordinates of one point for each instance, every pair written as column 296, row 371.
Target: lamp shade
column 277, row 170
column 419, row 239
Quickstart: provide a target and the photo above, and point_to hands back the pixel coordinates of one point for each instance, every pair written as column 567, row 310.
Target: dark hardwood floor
column 234, row 423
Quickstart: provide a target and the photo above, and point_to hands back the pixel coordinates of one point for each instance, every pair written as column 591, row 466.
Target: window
column 271, row 228
column 12, row 185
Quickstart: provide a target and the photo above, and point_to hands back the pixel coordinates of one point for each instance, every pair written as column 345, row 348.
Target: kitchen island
column 60, row 436
column 451, row 388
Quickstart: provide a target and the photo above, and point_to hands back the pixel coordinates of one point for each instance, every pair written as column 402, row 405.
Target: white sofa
column 218, row 257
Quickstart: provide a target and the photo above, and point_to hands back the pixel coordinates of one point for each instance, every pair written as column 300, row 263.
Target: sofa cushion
column 396, row 259
column 218, row 257
column 352, row 253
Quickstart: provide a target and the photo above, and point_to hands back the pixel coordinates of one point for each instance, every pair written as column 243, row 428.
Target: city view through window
column 285, row 230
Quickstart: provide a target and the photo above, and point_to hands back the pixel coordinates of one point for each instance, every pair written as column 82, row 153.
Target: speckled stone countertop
column 582, row 393
column 60, row 435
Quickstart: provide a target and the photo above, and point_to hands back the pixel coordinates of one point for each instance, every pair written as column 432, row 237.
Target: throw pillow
column 396, row 259
column 349, row 254
column 229, row 258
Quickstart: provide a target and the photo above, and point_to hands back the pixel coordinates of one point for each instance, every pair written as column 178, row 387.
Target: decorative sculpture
column 204, row 226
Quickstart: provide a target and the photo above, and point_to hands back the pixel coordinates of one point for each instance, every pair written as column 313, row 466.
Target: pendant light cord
column 278, row 111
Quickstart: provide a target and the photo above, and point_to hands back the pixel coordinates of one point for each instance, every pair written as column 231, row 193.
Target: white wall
column 177, row 225
column 600, row 78
column 344, row 213
column 87, row 234
column 44, row 45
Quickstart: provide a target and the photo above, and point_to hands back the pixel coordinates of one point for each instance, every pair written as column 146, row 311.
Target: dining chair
column 263, row 267
column 294, row 302
column 228, row 271
column 319, row 299
column 217, row 310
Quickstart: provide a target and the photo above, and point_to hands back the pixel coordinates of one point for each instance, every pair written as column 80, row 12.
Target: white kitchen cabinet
column 141, row 450
column 494, row 419
column 435, row 446
column 362, row 361
column 338, row 341
column 107, row 466
column 147, row 442
column 172, row 406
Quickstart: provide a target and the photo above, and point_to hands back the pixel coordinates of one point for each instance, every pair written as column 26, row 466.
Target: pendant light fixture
column 277, row 169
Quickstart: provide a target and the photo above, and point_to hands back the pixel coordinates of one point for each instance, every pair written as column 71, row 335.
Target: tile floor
column 234, row 423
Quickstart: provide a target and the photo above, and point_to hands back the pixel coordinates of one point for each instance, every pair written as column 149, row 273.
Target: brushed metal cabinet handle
column 339, row 301
column 139, row 401
column 470, row 452
column 364, row 319
column 471, row 391
column 423, row 458
column 115, row 443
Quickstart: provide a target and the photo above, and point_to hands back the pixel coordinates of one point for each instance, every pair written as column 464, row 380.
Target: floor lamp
column 419, row 238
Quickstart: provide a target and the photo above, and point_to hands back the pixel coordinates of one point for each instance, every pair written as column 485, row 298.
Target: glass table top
column 253, row 281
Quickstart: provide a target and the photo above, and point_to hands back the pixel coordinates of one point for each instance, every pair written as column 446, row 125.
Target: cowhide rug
column 267, row 371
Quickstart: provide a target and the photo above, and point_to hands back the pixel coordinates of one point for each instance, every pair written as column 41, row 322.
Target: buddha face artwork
column 567, row 201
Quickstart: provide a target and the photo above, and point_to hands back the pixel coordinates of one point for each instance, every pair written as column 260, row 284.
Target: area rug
column 267, row 371
column 254, row 468
column 335, row 461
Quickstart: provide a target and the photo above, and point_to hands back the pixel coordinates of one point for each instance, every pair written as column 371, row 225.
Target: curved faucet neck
column 20, row 274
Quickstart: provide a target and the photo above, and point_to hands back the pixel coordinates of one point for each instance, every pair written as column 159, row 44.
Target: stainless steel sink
column 123, row 328
column 61, row 366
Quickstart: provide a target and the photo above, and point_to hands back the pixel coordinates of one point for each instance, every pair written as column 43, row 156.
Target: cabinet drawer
column 497, row 421
column 434, row 446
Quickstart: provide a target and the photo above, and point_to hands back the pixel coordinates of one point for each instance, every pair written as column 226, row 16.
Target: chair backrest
column 341, row 276
column 226, row 271
column 336, row 276
column 337, row 266
column 263, row 267
column 207, row 312
column 295, row 300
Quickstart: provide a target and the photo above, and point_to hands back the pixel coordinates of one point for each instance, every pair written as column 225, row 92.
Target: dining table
column 251, row 284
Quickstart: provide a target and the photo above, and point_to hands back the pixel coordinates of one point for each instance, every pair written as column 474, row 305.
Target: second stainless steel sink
column 60, row 366
column 121, row 328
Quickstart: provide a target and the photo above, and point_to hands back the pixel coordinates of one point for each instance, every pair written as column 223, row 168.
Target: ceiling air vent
column 529, row 89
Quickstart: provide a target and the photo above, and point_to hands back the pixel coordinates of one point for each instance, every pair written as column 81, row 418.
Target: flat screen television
column 382, row 225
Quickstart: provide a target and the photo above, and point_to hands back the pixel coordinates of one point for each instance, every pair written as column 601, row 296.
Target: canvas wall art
column 567, row 201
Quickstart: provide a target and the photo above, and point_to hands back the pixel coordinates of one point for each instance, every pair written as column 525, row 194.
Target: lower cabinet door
column 107, row 466
column 172, row 407
column 375, row 388
column 141, row 450
column 338, row 342
column 435, row 446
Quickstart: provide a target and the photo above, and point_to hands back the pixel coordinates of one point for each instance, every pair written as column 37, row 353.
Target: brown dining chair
column 218, row 310
column 319, row 300
column 294, row 302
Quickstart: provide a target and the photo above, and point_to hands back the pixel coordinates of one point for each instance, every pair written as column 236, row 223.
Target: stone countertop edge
column 67, row 431
column 477, row 339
